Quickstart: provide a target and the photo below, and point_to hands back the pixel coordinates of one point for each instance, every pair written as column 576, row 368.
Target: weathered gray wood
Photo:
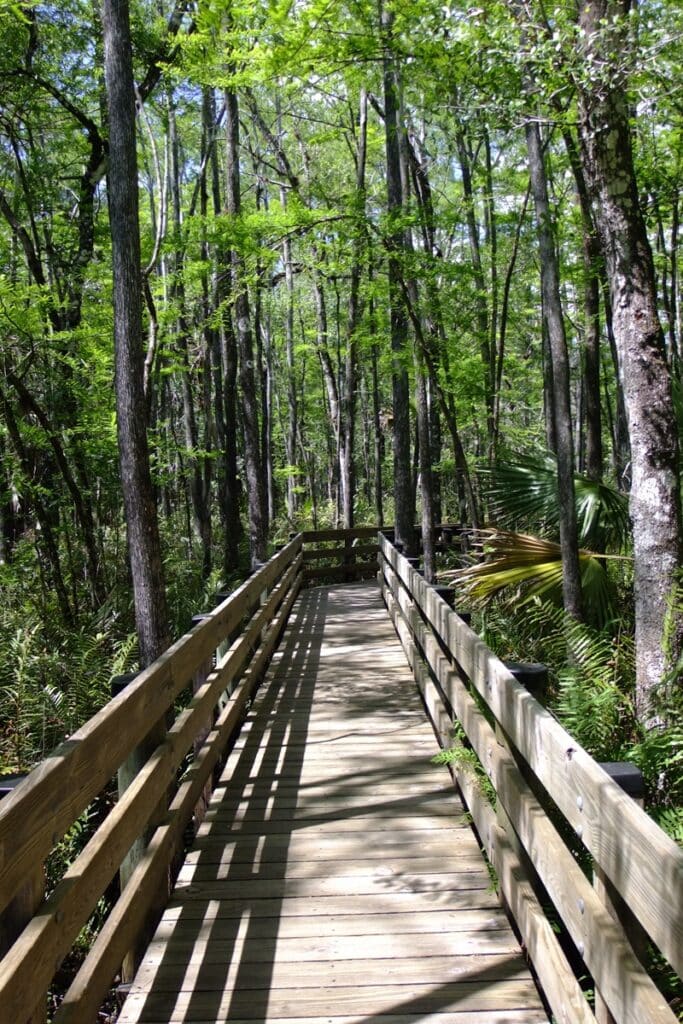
column 37, row 814
column 460, row 1016
column 314, row 889
column 642, row 862
column 560, row 985
column 481, row 993
column 123, row 923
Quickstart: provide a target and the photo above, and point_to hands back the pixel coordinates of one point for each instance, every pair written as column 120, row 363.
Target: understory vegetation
column 277, row 266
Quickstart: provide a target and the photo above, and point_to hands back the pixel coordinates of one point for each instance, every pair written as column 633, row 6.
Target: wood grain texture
column 523, row 836
column 642, row 862
column 334, row 877
column 35, row 816
column 123, row 923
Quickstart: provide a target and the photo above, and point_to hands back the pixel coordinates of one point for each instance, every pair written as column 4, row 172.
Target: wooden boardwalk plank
column 334, row 879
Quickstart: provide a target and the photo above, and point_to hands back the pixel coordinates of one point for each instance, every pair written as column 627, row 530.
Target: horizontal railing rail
column 352, row 554
column 340, row 555
column 542, row 778
column 164, row 794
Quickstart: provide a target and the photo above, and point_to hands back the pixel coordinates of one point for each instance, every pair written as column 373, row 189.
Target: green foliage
column 520, row 569
column 592, row 693
column 523, row 494
column 52, row 679
column 464, row 758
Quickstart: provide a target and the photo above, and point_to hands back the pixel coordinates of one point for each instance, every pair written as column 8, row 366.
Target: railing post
column 531, row 674
column 198, row 680
column 224, row 645
column 263, row 596
column 446, row 594
column 349, row 559
column 127, row 773
column 21, row 909
column 630, row 779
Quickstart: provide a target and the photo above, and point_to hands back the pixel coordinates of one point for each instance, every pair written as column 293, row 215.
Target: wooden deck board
column 334, row 879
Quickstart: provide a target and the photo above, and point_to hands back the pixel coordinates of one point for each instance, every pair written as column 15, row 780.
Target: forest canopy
column 362, row 264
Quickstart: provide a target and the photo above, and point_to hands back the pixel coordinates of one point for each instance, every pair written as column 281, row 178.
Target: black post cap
column 446, row 594
column 10, row 782
column 626, row 775
column 119, row 683
column 531, row 674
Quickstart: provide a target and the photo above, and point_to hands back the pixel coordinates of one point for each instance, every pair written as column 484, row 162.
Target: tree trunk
column 607, row 157
column 201, row 511
column 378, row 486
column 252, row 449
column 481, row 290
column 426, row 479
column 592, row 418
column 562, row 417
column 404, row 512
column 346, row 460
column 141, row 517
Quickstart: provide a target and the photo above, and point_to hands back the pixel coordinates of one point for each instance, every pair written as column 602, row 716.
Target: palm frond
column 521, row 568
column 523, row 493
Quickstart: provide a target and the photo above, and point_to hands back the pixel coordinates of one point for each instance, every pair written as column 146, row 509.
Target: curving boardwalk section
column 335, row 879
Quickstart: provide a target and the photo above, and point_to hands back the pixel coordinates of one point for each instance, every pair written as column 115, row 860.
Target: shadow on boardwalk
column 334, row 878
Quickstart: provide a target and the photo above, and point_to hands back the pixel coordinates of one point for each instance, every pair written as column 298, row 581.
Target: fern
column 463, row 757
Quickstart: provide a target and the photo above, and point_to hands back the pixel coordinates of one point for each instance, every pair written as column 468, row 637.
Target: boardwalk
column 335, row 878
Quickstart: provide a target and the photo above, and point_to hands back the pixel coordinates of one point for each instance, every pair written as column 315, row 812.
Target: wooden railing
column 347, row 555
column 340, row 555
column 160, row 800
column 547, row 788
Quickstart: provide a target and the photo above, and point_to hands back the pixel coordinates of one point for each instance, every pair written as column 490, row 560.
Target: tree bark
column 346, row 451
column 201, row 509
column 562, row 417
column 606, row 151
column 252, row 449
column 144, row 547
column 592, row 418
column 481, row 290
column 404, row 512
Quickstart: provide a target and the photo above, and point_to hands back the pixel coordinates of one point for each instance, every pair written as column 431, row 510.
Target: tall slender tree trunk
column 482, row 313
column 592, row 409
column 404, row 512
column 425, row 462
column 347, row 466
column 201, row 511
column 606, row 151
column 562, row 416
column 378, row 488
column 221, row 347
column 252, row 449
column 122, row 188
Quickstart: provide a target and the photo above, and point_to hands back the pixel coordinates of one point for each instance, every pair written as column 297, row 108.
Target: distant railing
column 332, row 556
column 217, row 684
column 543, row 778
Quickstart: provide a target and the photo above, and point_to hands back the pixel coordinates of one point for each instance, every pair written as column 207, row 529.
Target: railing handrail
column 37, row 814
column 644, row 866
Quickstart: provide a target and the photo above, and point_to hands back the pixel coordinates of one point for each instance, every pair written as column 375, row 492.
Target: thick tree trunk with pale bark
column 607, row 157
